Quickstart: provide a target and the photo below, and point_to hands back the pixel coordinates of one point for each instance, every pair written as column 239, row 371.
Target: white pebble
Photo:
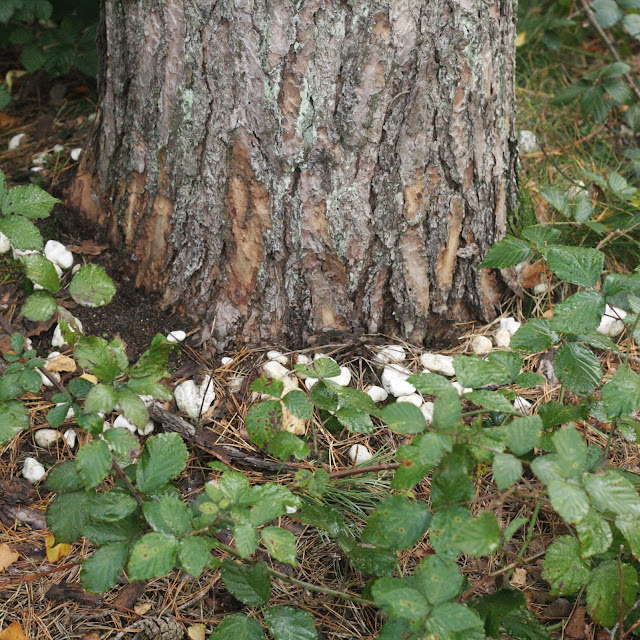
column 275, row 370
column 226, row 360
column 390, row 353
column 377, row 394
column 176, row 336
column 70, row 411
column 540, row 288
column 358, row 454
column 75, row 153
column 234, row 384
column 40, row 159
column 460, row 389
column 302, row 359
column 57, row 340
column 58, row 148
column 481, row 345
column 502, row 338
column 16, row 141
column 343, row 379
column 46, row 437
column 190, row 398
column 509, row 324
column 427, row 411
column 122, row 423
column 278, row 356
column 70, row 438
column 45, row 381
column 413, row 398
column 309, row 382
column 527, row 141
column 522, row 405
column 394, row 380
column 437, row 363
column 147, row 429
column 291, row 510
column 5, row 245
column 611, row 323
column 33, row 471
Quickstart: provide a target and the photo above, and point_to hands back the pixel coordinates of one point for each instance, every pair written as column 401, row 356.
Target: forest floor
column 39, row 589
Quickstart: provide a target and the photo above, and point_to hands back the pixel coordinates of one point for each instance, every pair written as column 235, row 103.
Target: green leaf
column 39, row 307
column 568, row 499
column 5, row 100
column 430, row 383
column 246, row 538
column 354, row 420
column 445, row 526
column 164, row 456
column 101, row 398
column 112, row 505
column 249, row 584
column 64, row 478
column 603, row 592
column 594, row 534
column 322, row 517
column 29, row 201
column 153, row 556
column 475, row 372
column 93, row 463
column 321, row 368
column 619, row 92
column 102, row 533
column 490, row 400
column 281, row 544
column 621, row 394
column 629, row 526
column 563, row 567
column 583, row 209
column 151, row 364
column 370, row 561
column 524, row 625
column 529, row 380
column 534, row 336
column 97, row 356
column 92, row 287
column 263, row 421
column 447, row 410
column 32, row 58
column 620, row 186
column 557, row 199
column 67, row 516
column 454, row 621
column 133, row 408
column 495, row 606
column 287, row 623
column 571, row 450
column 239, row 627
column 593, row 104
column 506, row 253
column 396, row 523
column 577, row 265
column 418, row 458
column 194, row 554
column 577, row 368
column 315, row 482
column 540, row 235
column 40, row 271
column 450, row 482
column 22, row 233
column 480, row 536
column 579, row 313
column 268, row 386
column 522, row 434
column 101, row 570
column 403, row 417
column 397, row 599
column 124, row 445
column 439, row 579
column 285, row 444
column 631, row 24
column 298, row 404
column 507, row 470
column 612, row 493
column 168, row 514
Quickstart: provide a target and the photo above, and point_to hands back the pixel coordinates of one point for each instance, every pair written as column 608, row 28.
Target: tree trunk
column 281, row 168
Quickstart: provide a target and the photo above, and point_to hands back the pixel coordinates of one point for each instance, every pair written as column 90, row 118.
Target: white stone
column 502, row 338
column 33, row 471
column 40, row 159
column 5, row 245
column 377, row 394
column 70, row 411
column 611, row 323
column 278, row 356
column 394, row 380
column 106, row 426
column 122, row 423
column 460, row 389
column 309, row 382
column 57, row 340
column 527, row 141
column 413, row 398
column 58, row 148
column 46, row 437
column 148, row 428
column 359, row 454
column 190, row 398
column 234, row 384
column 390, row 353
column 427, row 411
column 16, row 141
column 45, row 381
column 275, row 370
column 75, row 153
column 522, row 405
column 437, row 363
column 301, row 358
column 70, row 438
column 176, row 336
column 290, row 509
column 509, row 324
column 343, row 379
column 226, row 360
column 540, row 288
column 37, row 169
column 481, row 345
column 317, row 356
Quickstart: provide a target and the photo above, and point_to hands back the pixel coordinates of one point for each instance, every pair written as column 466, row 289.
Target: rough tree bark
column 280, row 168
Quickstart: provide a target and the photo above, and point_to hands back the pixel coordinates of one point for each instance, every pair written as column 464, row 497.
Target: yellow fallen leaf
column 7, row 556
column 90, row 378
column 55, row 551
column 13, row 75
column 61, row 363
column 13, row 632
column 521, row 38
column 143, row 608
column 197, row 631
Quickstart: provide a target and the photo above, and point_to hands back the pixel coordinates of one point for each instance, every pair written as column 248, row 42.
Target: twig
column 125, row 478
column 343, row 473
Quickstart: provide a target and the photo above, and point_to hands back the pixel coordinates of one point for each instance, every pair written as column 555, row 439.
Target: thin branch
column 343, row 473
column 125, row 478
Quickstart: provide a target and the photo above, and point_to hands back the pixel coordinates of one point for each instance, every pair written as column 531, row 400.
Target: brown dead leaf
column 577, row 627
column 16, row 491
column 88, row 248
column 13, row 632
column 129, row 594
column 143, row 608
column 61, row 363
column 7, row 556
column 531, row 274
column 55, row 551
column 64, row 591
column 94, row 635
column 519, row 578
column 197, row 631
column 5, row 345
column 7, row 121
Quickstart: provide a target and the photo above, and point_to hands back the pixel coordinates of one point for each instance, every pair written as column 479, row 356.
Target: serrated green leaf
column 124, row 445
column 268, row 386
column 281, row 544
column 620, row 186
column 403, row 417
column 523, row 434
column 540, row 235
column 557, row 199
column 612, row 493
column 101, row 570
column 263, row 421
column 101, row 398
column 287, row 623
column 480, row 536
column 249, row 584
column 594, row 104
column 446, row 524
column 534, row 336
column 29, row 201
column 153, row 556
column 563, row 567
column 611, row 585
column 490, row 400
column 594, row 534
column 32, row 58
column 568, row 499
column 577, row 368
column 430, row 383
column 125, row 530
column 507, row 470
column 524, row 625
column 370, row 561
column 67, row 515
column 631, row 24
column 246, row 538
column 285, row 444
column 629, row 526
column 447, row 411
column 268, row 501
column 577, row 265
column 93, row 463
column 168, row 514
column 194, row 554
column 571, row 450
column 239, row 627
column 96, row 355
column 621, row 394
column 506, row 253
column 450, row 482
column 133, row 408
column 42, row 272
column 164, row 456
column 111, row 506
column 64, row 478
column 418, row 458
column 354, row 420
column 398, row 599
column 451, row 620
column 39, row 307
column 475, row 372
column 321, row 368
column 315, row 482
column 440, row 580
column 22, row 233
column 579, row 313
column 298, row 404
column 91, row 286
column 495, row 606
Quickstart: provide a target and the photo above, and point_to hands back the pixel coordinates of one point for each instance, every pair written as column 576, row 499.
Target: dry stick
column 356, row 470
column 609, row 44
column 37, row 576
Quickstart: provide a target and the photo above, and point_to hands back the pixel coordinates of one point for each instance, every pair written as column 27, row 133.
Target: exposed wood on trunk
column 280, row 169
